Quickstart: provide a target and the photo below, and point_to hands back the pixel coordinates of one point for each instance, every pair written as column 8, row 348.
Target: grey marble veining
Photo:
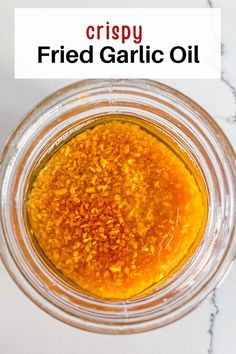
column 212, row 318
column 226, row 77
column 225, row 72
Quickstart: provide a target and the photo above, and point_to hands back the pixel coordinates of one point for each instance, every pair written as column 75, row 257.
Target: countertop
column 211, row 328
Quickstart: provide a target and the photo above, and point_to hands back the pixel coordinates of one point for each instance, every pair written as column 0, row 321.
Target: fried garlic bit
column 116, row 210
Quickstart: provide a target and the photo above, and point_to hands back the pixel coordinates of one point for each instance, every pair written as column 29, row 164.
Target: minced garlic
column 116, row 210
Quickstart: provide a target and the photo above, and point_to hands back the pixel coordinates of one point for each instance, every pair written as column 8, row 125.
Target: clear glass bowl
column 54, row 120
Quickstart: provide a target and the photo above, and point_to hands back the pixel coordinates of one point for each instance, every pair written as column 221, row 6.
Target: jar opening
column 118, row 208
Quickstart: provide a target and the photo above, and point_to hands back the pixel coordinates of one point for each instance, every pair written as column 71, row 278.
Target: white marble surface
column 211, row 328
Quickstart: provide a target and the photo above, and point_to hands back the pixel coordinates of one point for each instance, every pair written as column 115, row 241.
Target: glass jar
column 53, row 121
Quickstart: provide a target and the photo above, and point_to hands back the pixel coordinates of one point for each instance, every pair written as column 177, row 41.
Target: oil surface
column 117, row 210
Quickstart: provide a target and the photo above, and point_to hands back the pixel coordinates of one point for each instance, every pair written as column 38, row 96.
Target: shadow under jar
column 157, row 108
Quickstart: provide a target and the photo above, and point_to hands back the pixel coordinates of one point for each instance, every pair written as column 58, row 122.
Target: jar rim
column 208, row 141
